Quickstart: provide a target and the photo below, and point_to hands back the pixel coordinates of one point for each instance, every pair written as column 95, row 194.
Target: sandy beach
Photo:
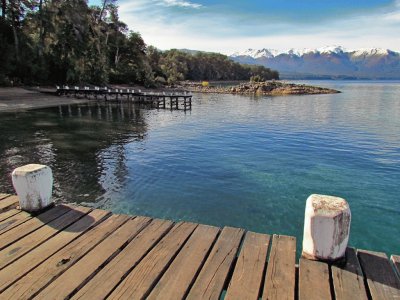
column 19, row 99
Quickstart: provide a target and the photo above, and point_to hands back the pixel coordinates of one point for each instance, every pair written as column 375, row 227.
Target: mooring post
column 326, row 228
column 34, row 185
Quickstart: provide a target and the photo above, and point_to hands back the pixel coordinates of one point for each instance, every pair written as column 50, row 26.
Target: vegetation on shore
column 267, row 88
column 49, row 41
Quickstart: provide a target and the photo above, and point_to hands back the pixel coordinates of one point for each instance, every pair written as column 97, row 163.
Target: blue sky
column 234, row 25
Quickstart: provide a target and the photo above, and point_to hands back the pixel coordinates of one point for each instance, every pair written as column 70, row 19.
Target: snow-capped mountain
column 332, row 61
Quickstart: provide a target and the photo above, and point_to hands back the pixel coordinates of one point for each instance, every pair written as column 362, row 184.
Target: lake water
column 242, row 161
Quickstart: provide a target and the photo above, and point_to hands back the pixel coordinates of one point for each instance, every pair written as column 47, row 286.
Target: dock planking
column 280, row 277
column 7, row 215
column 79, row 253
column 76, row 276
column 383, row 283
column 396, row 261
column 348, row 279
column 31, row 241
column 212, row 278
column 8, row 202
column 247, row 276
column 176, row 281
column 31, row 225
column 3, row 196
column 314, row 280
column 138, row 284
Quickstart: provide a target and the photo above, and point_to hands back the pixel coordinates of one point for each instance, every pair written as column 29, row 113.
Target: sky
column 227, row 26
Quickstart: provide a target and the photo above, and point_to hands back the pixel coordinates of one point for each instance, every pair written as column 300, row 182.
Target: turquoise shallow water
column 233, row 160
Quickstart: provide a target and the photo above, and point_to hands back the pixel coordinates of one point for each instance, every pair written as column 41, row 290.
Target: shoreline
column 14, row 99
column 18, row 99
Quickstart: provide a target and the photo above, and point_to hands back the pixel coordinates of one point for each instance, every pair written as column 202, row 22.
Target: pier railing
column 160, row 100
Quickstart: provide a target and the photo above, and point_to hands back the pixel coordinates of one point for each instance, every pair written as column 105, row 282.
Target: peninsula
column 266, row 88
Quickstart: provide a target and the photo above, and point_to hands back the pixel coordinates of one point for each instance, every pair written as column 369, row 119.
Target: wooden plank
column 31, row 241
column 348, row 280
column 176, row 281
column 313, row 280
column 33, row 282
column 26, row 263
column 139, row 282
column 9, row 213
column 85, row 268
column 14, row 221
column 281, row 272
column 381, row 278
column 212, row 277
column 396, row 262
column 4, row 196
column 113, row 273
column 249, row 269
column 9, row 203
column 31, row 225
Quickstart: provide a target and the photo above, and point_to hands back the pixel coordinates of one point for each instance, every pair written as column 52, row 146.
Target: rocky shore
column 267, row 88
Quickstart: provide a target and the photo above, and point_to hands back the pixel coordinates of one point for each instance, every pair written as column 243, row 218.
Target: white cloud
column 181, row 3
column 222, row 33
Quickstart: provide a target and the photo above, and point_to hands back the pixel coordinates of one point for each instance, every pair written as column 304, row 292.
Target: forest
column 67, row 41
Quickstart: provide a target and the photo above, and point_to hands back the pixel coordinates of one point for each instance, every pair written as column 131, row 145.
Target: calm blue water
column 233, row 160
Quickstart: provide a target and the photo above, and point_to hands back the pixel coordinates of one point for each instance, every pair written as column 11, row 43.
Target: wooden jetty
column 82, row 253
column 159, row 100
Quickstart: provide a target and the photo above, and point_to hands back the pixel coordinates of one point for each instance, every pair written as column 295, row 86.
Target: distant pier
column 159, row 100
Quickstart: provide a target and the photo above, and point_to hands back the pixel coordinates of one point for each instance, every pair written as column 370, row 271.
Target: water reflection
column 232, row 160
column 84, row 145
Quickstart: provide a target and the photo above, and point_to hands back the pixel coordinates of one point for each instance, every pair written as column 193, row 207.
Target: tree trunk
column 15, row 33
column 102, row 11
column 116, row 60
column 41, row 30
column 3, row 9
column 16, row 43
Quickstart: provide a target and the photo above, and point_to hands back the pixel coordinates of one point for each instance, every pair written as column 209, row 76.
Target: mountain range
column 326, row 63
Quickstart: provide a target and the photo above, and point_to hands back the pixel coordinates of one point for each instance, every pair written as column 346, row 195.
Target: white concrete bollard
column 33, row 184
column 326, row 228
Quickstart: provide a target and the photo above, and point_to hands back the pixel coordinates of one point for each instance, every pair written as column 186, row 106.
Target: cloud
column 181, row 3
column 213, row 29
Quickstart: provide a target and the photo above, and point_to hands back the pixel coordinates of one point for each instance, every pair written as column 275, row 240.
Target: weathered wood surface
column 74, row 277
column 3, row 196
column 382, row 280
column 247, row 276
column 8, row 202
column 8, row 214
column 211, row 280
column 41, row 276
column 348, row 279
column 31, row 225
column 79, row 253
column 180, row 275
column 28, row 262
column 31, row 241
column 138, row 284
column 396, row 262
column 280, row 278
column 313, row 280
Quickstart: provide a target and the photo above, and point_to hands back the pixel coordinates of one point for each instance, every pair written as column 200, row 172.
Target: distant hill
column 326, row 63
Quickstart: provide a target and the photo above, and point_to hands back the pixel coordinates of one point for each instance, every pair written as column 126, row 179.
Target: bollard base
column 337, row 261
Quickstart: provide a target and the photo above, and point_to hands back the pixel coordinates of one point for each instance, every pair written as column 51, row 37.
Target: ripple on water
column 233, row 160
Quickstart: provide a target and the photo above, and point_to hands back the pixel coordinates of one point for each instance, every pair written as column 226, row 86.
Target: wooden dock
column 159, row 100
column 81, row 253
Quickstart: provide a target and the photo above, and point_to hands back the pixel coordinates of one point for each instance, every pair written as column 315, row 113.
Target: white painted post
column 33, row 184
column 326, row 228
